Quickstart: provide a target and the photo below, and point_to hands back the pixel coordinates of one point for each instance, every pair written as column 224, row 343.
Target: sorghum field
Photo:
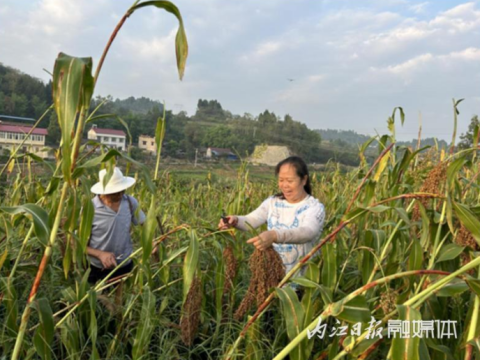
column 400, row 244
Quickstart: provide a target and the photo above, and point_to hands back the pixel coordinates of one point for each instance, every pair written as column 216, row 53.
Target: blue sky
column 352, row 61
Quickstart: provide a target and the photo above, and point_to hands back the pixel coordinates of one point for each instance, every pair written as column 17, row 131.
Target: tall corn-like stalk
column 73, row 87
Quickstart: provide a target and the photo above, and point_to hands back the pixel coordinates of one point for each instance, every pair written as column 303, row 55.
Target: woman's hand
column 264, row 240
column 232, row 222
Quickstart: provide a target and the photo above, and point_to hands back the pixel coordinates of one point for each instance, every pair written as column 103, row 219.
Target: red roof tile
column 109, row 132
column 22, row 129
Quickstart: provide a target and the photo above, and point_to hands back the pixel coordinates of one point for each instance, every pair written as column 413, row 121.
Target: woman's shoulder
column 271, row 199
column 275, row 201
column 315, row 203
column 315, row 209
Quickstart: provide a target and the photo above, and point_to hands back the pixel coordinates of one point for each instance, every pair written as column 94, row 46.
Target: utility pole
column 196, row 152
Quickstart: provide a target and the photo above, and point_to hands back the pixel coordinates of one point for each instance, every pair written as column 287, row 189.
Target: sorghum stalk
column 20, row 253
column 41, row 269
column 385, row 247
column 473, row 325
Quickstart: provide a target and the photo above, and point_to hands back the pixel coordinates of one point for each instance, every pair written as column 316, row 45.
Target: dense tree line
column 23, row 95
column 348, row 136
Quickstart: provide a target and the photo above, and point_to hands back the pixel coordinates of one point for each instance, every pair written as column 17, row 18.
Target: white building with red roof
column 13, row 135
column 115, row 139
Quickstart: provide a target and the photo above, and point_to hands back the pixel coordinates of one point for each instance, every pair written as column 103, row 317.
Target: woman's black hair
column 300, row 168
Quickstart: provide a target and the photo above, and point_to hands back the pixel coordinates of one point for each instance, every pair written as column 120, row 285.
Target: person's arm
column 107, row 258
column 311, row 228
column 255, row 218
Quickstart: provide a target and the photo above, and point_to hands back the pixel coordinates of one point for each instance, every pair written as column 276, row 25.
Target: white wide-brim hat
column 117, row 183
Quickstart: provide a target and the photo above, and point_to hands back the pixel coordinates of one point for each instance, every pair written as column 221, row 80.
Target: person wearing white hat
column 110, row 241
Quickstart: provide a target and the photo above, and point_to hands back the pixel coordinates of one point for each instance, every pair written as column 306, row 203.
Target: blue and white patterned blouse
column 298, row 226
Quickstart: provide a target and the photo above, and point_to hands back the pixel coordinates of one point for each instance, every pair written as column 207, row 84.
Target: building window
column 99, row 138
column 120, row 148
column 2, row 135
column 144, row 143
column 114, row 139
column 152, row 143
column 106, row 138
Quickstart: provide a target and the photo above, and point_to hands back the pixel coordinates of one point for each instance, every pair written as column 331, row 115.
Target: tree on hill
column 467, row 138
column 209, row 110
column 266, row 118
column 22, row 95
column 348, row 136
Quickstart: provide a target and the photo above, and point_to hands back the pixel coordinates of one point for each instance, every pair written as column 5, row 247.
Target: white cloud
column 399, row 35
column 4, row 10
column 429, row 61
column 459, row 10
column 68, row 12
column 408, row 66
column 158, row 48
column 56, row 16
column 419, row 8
column 303, row 90
column 262, row 51
column 357, row 19
column 470, row 54
column 268, row 48
column 316, row 78
column 460, row 19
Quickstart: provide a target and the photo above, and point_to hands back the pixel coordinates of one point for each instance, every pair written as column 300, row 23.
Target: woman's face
column 290, row 184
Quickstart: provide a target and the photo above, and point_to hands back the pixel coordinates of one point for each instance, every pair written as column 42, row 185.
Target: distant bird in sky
column 291, row 80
